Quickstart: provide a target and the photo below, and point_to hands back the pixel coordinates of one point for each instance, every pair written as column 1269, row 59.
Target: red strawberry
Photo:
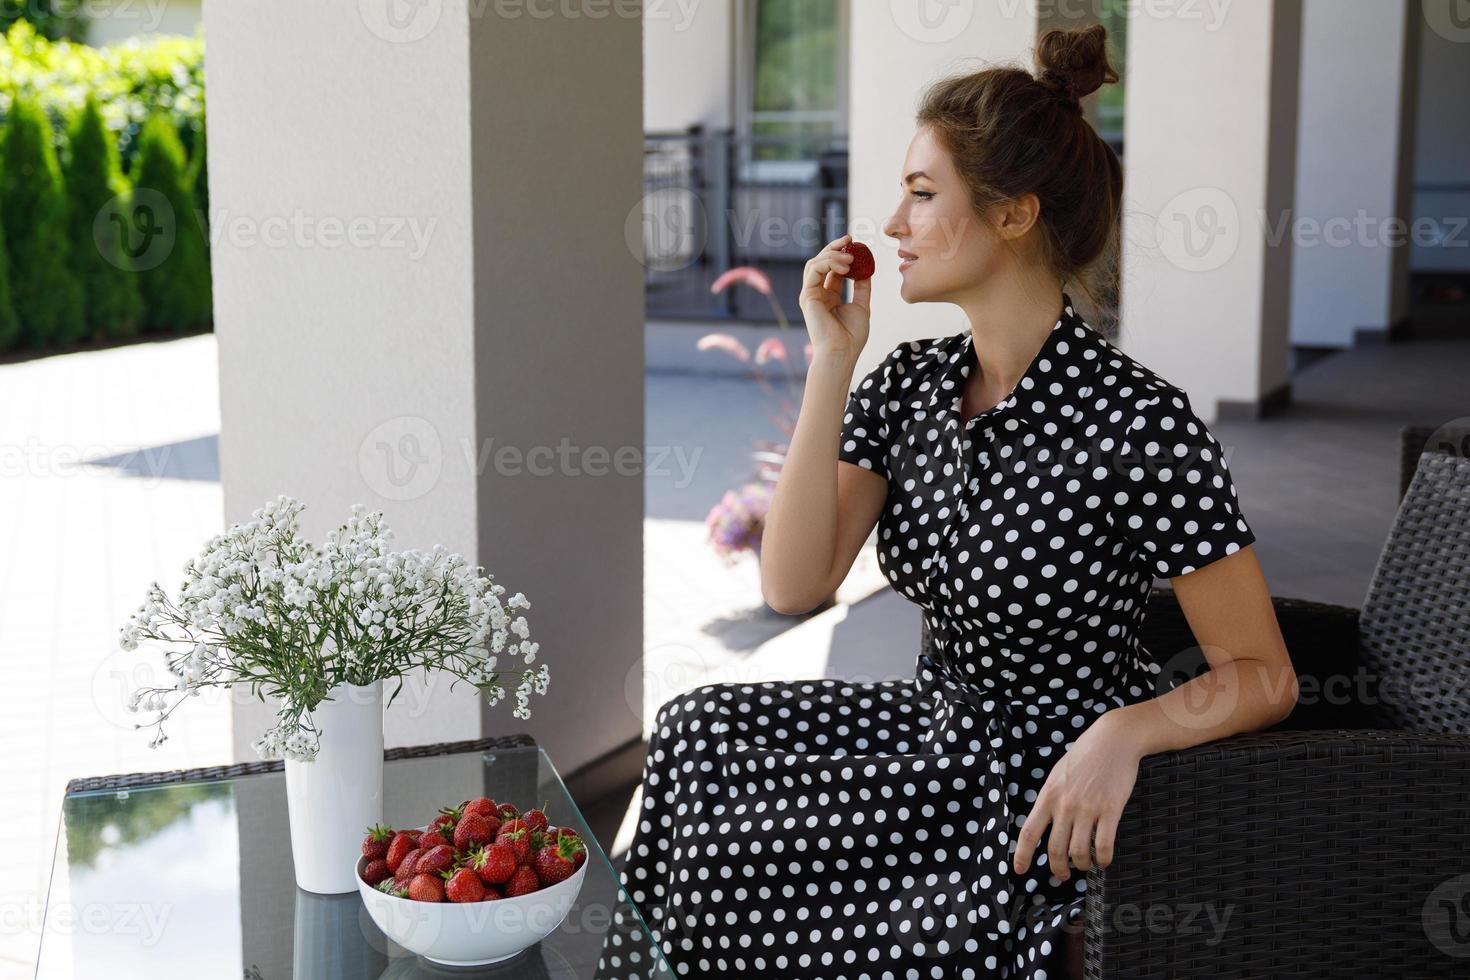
column 507, row 812
column 557, row 862
column 434, row 860
column 523, row 882
column 491, row 893
column 390, row 887
column 862, row 261
column 401, row 845
column 519, row 841
column 464, row 886
column 426, row 888
column 580, row 855
column 482, row 806
column 553, row 834
column 471, row 830
column 431, row 839
column 375, row 871
column 494, row 864
column 413, row 832
column 447, row 818
column 535, row 819
column 406, row 866
column 375, row 844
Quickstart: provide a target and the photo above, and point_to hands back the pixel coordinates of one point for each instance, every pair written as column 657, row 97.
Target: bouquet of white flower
column 265, row 607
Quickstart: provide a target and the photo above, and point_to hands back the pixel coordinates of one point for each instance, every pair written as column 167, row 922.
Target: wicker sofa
column 1336, row 844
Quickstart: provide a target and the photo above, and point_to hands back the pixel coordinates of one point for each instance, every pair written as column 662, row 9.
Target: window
column 792, row 76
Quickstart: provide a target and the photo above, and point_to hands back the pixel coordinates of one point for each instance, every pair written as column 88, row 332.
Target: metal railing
column 713, row 200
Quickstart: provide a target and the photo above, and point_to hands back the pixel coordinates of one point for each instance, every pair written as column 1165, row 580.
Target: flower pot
column 334, row 798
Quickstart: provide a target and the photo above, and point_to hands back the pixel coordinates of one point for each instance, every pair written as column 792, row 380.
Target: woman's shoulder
column 911, row 359
column 1124, row 382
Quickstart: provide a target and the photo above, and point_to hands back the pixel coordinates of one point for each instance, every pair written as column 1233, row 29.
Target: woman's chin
column 910, row 292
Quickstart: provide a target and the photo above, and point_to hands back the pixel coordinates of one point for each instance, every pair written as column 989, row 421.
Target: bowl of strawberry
column 476, row 885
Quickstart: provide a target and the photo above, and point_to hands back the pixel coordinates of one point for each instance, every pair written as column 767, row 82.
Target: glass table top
column 195, row 880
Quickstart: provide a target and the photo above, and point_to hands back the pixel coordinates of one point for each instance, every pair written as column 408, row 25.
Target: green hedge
column 85, row 252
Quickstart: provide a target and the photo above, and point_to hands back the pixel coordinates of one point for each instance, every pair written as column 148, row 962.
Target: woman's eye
column 924, row 195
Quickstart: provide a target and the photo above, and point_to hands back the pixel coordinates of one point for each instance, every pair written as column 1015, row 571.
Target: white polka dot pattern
column 832, row 829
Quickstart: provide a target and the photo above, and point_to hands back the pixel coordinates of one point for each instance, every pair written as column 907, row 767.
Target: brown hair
column 1011, row 132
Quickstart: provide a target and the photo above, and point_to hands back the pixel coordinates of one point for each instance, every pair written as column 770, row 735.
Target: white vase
column 333, row 799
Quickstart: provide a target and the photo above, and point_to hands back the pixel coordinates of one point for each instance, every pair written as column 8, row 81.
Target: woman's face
column 955, row 252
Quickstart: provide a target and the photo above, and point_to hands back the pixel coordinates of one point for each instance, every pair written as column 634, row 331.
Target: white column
column 424, row 302
column 1209, row 142
column 897, row 50
column 1353, row 180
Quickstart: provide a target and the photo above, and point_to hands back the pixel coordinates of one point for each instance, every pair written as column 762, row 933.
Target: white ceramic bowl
column 471, row 933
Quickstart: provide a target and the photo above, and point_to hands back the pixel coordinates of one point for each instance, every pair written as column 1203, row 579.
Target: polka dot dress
column 834, row 829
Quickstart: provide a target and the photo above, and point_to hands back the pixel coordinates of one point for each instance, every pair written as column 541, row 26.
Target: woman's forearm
column 799, row 544
column 1243, row 695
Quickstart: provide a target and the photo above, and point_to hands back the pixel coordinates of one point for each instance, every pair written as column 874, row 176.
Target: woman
column 1028, row 480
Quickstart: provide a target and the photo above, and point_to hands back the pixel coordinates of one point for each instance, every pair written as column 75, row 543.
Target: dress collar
column 1046, row 388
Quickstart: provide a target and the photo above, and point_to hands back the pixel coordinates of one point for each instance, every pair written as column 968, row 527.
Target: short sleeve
column 1176, row 500
column 865, row 436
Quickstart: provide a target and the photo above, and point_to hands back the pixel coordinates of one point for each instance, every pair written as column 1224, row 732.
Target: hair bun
column 1074, row 62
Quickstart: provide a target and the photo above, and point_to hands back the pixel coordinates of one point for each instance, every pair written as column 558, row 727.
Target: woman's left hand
column 1083, row 796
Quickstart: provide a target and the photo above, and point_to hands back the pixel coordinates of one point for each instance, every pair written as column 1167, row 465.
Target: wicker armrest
column 1322, row 638
column 1287, row 854
column 82, row 784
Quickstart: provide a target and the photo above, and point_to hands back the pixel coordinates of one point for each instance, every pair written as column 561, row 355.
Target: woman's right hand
column 835, row 327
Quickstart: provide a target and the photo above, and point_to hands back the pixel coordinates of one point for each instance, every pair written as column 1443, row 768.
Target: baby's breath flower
column 356, row 612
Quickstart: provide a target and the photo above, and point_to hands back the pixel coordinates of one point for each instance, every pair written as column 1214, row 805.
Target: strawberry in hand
column 862, row 261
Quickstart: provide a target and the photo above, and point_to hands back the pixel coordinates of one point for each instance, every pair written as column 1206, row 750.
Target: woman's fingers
column 1107, row 833
column 1081, row 847
column 823, row 273
column 1030, row 835
column 1057, row 846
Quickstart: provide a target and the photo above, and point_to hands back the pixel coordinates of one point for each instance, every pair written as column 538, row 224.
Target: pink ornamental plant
column 768, row 455
column 737, row 522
